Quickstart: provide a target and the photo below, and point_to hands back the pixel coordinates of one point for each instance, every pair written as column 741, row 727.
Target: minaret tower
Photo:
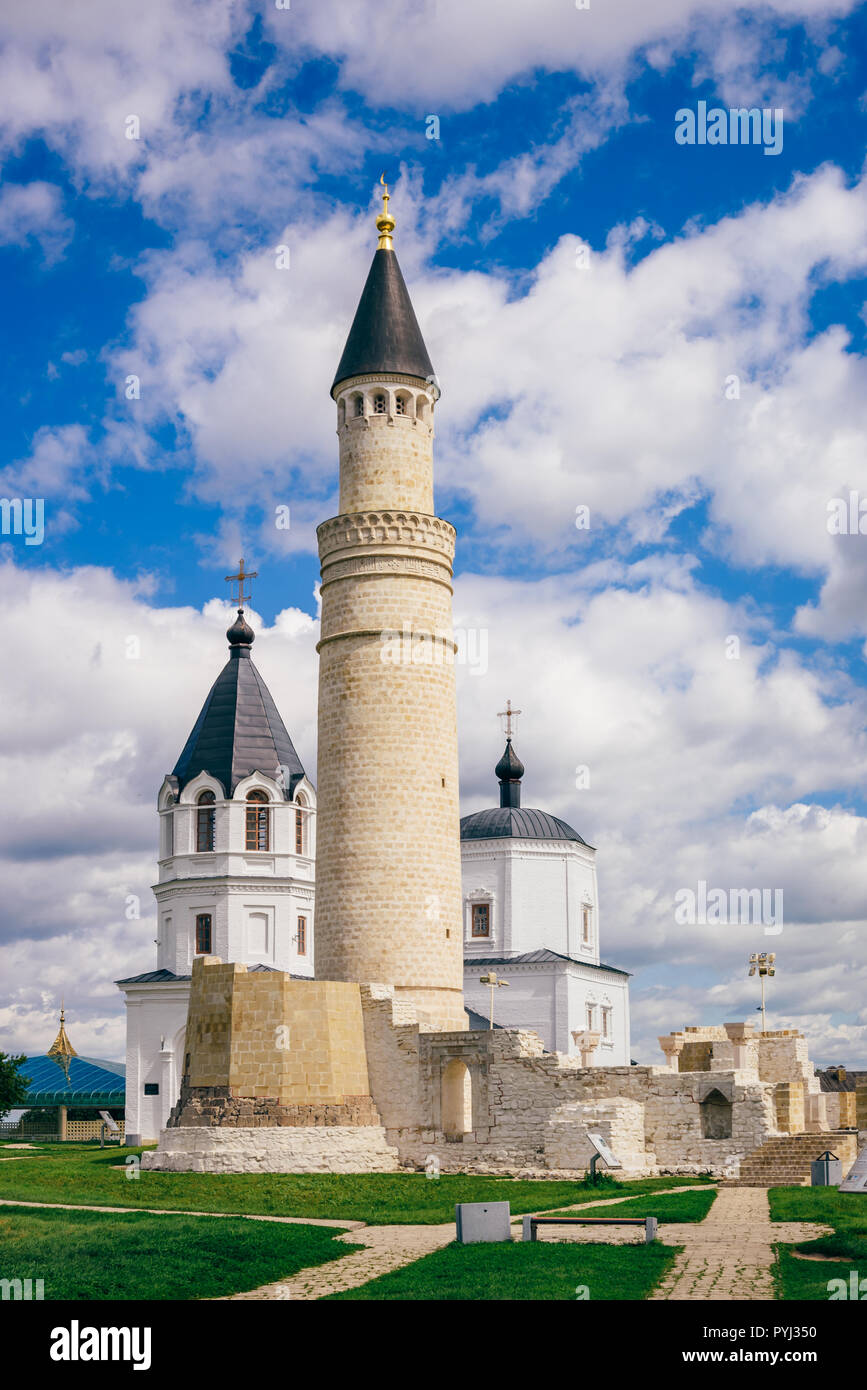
column 388, row 848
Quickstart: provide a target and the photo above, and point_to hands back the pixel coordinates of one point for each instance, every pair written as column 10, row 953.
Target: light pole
column 495, row 983
column 762, row 964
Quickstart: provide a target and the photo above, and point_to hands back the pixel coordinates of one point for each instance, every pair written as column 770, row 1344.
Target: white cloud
column 471, row 52
column 32, row 212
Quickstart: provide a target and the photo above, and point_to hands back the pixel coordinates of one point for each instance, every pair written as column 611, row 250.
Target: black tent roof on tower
column 385, row 336
column 239, row 730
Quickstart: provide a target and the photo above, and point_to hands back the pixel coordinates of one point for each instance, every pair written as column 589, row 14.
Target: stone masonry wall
column 263, row 1048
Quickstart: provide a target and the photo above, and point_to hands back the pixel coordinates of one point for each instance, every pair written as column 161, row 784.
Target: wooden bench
column 650, row 1223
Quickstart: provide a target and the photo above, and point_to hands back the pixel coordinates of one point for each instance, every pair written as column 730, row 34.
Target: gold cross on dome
column 240, row 579
column 508, row 714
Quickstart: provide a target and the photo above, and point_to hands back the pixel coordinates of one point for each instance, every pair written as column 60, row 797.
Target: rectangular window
column 203, row 934
column 152, row 1088
column 170, row 834
column 481, row 919
column 257, row 826
column 606, row 1024
column 591, row 1016
column 302, row 936
column 299, row 833
column 205, row 829
column 585, row 925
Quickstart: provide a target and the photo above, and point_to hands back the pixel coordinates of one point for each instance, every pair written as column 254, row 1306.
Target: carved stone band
column 386, row 528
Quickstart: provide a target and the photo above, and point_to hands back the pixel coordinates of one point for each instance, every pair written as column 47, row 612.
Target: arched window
column 379, row 404
column 299, row 831
column 205, row 822
column 258, row 822
column 358, row 405
column 400, row 405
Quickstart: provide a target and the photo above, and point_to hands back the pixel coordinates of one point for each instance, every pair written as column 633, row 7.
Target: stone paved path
column 730, row 1254
column 385, row 1248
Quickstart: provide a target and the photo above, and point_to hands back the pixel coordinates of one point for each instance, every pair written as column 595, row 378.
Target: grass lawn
column 92, row 1176
column 524, row 1272
column 90, row 1255
column 680, row 1206
column 846, row 1212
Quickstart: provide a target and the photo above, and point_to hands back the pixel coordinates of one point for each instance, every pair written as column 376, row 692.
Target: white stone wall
column 521, row 1094
column 552, row 1000
column 282, row 1149
column 537, row 891
column 156, row 1024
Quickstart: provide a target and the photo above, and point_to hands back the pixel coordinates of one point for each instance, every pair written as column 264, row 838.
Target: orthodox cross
column 508, row 714
column 240, row 579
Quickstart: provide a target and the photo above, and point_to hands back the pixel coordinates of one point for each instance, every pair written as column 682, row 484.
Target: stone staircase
column 785, row 1161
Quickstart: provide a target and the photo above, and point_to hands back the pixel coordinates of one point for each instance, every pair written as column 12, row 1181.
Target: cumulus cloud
column 33, row 213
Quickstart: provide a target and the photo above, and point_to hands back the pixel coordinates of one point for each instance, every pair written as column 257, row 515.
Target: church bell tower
column 388, row 846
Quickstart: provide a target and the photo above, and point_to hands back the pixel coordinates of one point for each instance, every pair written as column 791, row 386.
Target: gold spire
column 385, row 221
column 61, row 1049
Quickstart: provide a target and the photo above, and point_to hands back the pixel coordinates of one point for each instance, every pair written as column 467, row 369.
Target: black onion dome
column 509, row 768
column 385, row 336
column 240, row 634
column 516, row 823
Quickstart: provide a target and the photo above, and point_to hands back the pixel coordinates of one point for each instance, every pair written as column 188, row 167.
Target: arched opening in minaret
column 403, row 403
column 457, row 1099
column 716, row 1116
column 379, row 404
column 358, row 405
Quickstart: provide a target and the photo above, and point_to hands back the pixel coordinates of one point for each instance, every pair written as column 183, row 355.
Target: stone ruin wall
column 532, row 1109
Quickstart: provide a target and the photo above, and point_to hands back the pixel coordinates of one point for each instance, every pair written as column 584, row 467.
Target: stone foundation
column 208, row 1106
column 282, row 1149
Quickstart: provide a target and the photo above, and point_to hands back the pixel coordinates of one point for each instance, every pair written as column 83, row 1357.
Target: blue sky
column 562, row 386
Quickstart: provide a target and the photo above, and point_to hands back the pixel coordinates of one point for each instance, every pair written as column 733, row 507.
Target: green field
column 524, row 1272
column 679, row 1206
column 98, row 1177
column 846, row 1212
column 85, row 1255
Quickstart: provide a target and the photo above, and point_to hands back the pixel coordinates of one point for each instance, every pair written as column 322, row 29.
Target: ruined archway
column 457, row 1099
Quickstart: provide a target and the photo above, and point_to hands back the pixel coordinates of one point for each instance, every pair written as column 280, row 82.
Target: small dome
column 240, row 634
column 517, row 823
column 509, row 768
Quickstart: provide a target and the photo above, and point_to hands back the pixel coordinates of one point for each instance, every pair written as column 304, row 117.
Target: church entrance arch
column 457, row 1099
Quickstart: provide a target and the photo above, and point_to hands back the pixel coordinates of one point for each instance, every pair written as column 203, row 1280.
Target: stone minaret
column 388, row 849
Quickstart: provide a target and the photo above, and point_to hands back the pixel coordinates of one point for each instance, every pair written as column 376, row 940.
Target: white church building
column 531, row 929
column 237, row 848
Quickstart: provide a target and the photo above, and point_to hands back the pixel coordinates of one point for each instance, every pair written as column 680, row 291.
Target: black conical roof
column 385, row 336
column 239, row 730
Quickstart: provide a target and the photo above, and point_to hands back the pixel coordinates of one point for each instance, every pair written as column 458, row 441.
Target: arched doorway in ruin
column 457, row 1099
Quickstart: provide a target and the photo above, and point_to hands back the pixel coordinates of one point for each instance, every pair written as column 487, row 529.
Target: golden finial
column 61, row 1049
column 385, row 221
